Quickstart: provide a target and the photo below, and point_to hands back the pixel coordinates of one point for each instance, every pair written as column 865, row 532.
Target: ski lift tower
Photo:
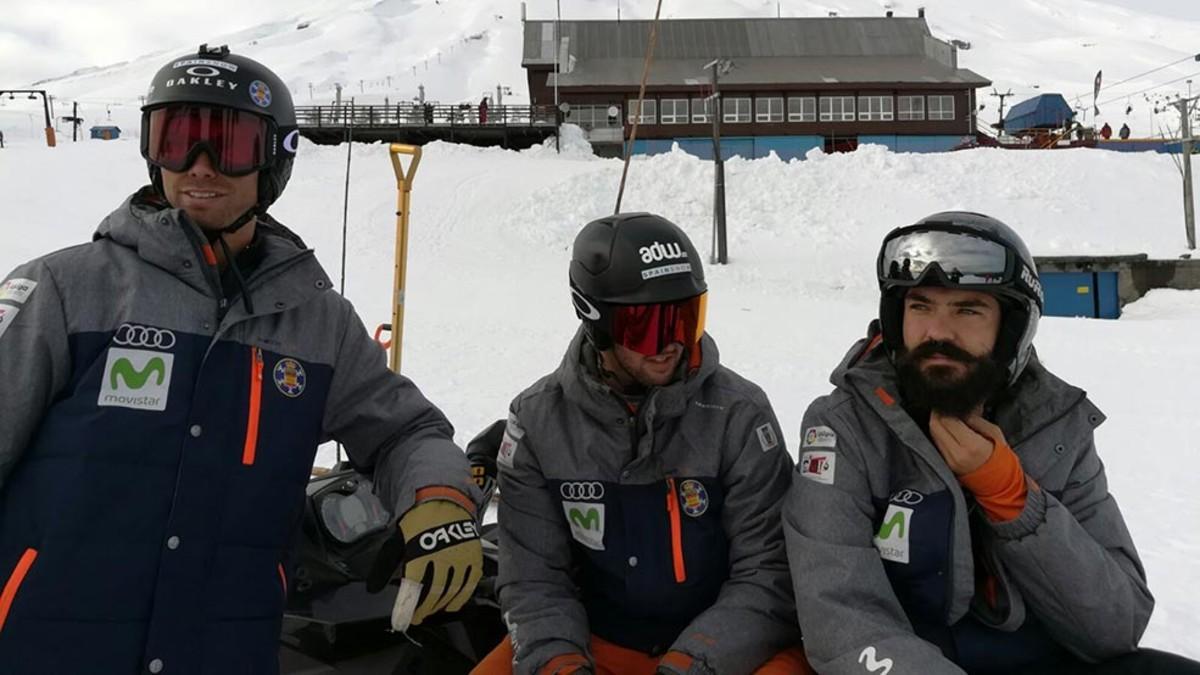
column 33, row 94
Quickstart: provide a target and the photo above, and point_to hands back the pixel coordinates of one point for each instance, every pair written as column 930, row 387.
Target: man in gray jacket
column 641, row 483
column 949, row 512
column 165, row 390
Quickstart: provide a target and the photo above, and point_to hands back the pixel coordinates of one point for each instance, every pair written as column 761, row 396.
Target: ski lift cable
column 640, row 102
column 1148, row 72
column 1157, row 86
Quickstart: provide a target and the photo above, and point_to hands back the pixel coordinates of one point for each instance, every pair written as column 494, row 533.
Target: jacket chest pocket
column 282, row 413
column 913, row 533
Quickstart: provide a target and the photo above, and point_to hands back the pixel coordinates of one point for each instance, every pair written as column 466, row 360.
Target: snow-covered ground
column 488, row 310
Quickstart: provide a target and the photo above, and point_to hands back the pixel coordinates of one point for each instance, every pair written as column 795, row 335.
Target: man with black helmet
column 641, row 482
column 166, row 388
column 949, row 512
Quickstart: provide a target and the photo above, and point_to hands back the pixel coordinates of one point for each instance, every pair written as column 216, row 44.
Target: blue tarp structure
column 1047, row 111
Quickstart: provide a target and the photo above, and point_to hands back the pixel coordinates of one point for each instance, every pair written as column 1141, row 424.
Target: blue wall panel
column 926, row 143
column 1069, row 293
column 1107, row 295
column 787, row 147
column 888, row 140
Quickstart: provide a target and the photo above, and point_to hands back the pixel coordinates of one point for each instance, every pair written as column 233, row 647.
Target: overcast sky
column 48, row 38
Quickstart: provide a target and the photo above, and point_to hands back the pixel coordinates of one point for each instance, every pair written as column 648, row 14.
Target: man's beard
column 943, row 389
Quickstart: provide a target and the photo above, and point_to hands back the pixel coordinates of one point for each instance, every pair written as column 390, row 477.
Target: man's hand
column 965, row 444
column 438, row 543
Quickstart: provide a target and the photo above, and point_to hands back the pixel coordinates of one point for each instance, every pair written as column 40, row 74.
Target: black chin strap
column 252, row 213
column 230, row 260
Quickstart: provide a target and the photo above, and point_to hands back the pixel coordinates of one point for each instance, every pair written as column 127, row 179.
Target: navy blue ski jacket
column 154, row 451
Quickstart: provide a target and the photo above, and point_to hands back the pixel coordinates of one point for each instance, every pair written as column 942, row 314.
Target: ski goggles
column 959, row 257
column 649, row 329
column 238, row 142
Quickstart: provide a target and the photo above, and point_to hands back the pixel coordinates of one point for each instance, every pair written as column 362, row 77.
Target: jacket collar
column 585, row 389
column 166, row 238
column 1036, row 400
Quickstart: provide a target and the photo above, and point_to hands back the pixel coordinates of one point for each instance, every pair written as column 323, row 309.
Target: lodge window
column 941, row 107
column 768, row 109
column 736, row 110
column 875, row 108
column 591, row 117
column 802, row 109
column 837, row 108
column 674, row 111
column 700, row 109
column 649, row 112
column 911, row 108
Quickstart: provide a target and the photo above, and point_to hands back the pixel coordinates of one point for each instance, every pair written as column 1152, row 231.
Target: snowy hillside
column 461, row 49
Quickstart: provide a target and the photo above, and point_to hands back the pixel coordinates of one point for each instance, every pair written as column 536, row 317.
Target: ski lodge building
column 788, row 85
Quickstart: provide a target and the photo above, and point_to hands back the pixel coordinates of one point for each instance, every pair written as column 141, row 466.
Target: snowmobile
column 331, row 624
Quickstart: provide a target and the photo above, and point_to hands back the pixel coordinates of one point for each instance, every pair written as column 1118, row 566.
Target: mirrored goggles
column 238, row 142
column 962, row 257
column 649, row 329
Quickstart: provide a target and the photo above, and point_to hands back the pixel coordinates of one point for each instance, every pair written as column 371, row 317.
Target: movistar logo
column 587, row 523
column 889, row 526
column 134, row 378
column 591, row 521
column 892, row 538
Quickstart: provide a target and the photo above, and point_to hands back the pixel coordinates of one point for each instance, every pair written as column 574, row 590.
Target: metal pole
column 557, row 48
column 1189, row 207
column 720, row 252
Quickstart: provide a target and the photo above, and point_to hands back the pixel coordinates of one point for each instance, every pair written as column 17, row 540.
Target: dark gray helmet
column 967, row 250
column 214, row 76
column 630, row 259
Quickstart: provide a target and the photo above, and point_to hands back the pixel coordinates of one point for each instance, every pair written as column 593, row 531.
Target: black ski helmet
column 1019, row 288
column 214, row 76
column 630, row 259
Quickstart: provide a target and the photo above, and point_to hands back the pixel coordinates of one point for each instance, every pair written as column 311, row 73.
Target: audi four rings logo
column 586, row 490
column 129, row 335
column 908, row 497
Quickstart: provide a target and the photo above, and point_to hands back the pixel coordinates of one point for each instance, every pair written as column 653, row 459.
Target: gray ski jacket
column 589, row 546
column 880, row 537
column 154, row 456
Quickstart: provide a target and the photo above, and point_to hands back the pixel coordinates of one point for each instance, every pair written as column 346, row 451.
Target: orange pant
column 615, row 660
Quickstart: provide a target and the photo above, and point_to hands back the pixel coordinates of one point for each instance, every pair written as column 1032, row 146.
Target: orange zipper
column 676, row 532
column 283, row 580
column 256, row 378
column 14, row 583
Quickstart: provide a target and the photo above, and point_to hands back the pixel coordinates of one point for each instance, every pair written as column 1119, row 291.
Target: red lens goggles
column 649, row 329
column 238, row 142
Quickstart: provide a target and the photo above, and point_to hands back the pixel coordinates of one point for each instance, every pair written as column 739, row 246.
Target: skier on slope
column 165, row 390
column 949, row 512
column 598, row 574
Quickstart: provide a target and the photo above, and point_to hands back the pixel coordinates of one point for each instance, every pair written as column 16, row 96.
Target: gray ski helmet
column 1015, row 281
column 630, row 259
column 214, row 76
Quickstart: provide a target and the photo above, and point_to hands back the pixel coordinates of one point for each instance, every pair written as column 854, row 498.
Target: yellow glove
column 438, row 544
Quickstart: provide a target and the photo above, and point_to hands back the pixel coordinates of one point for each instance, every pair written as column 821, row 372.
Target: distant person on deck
column 1124, row 132
column 950, row 513
column 483, row 110
column 1106, row 131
